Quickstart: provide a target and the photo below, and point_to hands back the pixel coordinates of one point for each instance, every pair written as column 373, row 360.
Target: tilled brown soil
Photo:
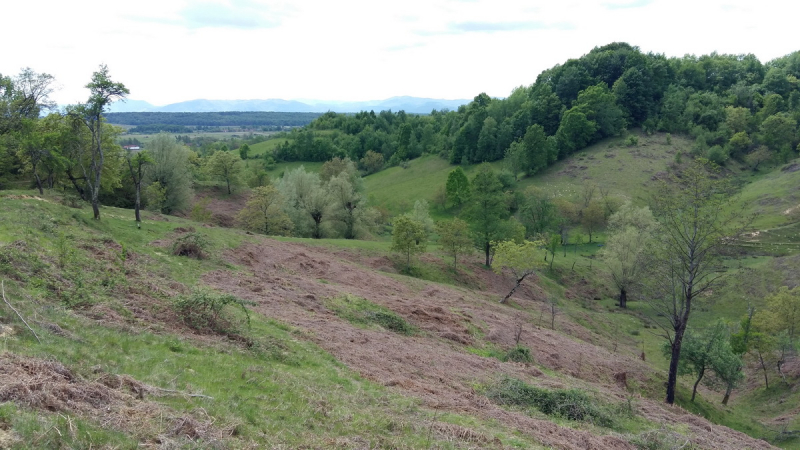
column 290, row 281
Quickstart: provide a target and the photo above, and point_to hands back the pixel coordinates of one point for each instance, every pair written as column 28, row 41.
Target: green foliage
column 488, row 212
column 156, row 196
column 538, row 212
column 782, row 313
column 457, row 187
column 206, row 310
column 361, row 311
column 632, row 140
column 570, row 404
column 372, row 162
column 518, row 354
column 455, row 238
column 200, row 211
column 264, row 213
column 309, row 203
column 408, row 237
column 627, row 248
column 521, row 259
column 191, row 245
column 244, row 151
column 171, row 173
column 226, row 167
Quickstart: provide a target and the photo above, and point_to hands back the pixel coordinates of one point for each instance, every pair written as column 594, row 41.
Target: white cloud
column 167, row 51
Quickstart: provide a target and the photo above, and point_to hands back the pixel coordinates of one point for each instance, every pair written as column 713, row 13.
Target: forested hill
column 735, row 106
column 213, row 119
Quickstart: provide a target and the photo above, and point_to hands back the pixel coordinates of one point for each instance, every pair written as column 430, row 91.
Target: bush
column 632, row 141
column 717, row 154
column 192, row 245
column 569, row 404
column 518, row 354
column 205, row 309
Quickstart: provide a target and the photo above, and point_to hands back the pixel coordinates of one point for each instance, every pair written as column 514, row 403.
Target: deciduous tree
column 408, row 237
column 264, row 213
column 457, row 187
column 455, row 239
column 695, row 224
column 628, row 248
column 103, row 93
column 225, row 166
column 136, row 164
column 172, row 170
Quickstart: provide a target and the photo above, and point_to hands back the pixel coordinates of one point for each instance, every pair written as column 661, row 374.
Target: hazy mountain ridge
column 408, row 104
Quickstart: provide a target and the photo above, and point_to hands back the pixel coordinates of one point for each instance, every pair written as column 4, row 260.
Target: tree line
column 734, row 106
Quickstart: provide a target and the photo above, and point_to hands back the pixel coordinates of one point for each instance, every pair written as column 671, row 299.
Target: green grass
column 54, row 430
column 361, row 312
column 772, row 196
column 625, row 171
column 396, row 188
column 282, row 391
column 267, row 146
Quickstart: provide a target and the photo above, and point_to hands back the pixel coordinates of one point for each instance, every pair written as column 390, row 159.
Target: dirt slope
column 290, row 282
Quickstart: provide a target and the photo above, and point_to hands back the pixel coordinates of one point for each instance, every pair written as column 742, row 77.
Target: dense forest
column 213, row 119
column 734, row 106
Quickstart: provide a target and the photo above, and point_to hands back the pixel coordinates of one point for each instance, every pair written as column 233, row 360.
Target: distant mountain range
column 414, row 105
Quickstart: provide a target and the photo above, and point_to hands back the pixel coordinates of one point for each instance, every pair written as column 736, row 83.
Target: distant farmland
column 212, row 119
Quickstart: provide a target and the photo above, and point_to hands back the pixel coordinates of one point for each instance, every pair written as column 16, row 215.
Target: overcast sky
column 168, row 51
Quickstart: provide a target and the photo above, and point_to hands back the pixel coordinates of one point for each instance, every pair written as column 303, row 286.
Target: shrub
column 717, row 154
column 518, row 354
column 192, row 245
column 569, row 404
column 205, row 309
column 632, row 141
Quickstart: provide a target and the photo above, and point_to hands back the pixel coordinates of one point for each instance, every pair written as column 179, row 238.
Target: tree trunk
column 623, row 298
column 672, row 379
column 228, row 181
column 138, row 204
column 694, row 389
column 764, row 368
column 519, row 282
column 80, row 190
column 96, row 207
column 488, row 248
column 38, row 182
column 727, row 394
column 317, row 219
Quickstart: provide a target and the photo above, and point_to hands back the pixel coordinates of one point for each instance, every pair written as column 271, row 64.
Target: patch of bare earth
column 289, row 282
column 114, row 401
